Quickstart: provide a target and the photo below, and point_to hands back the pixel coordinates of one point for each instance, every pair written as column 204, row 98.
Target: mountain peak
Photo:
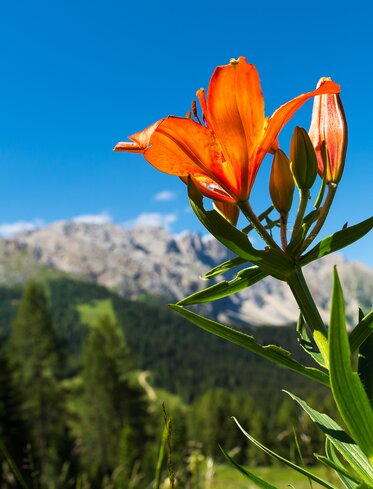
column 152, row 261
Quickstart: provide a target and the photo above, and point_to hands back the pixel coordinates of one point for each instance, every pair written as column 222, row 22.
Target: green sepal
column 348, row 392
column 294, row 466
column 306, row 342
column 272, row 261
column 337, row 241
column 253, row 478
column 223, row 268
column 325, row 158
column 361, row 332
column 340, row 440
column 244, row 278
column 274, row 353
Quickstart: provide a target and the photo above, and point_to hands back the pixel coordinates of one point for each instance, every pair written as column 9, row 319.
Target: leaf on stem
column 245, row 278
column 348, row 479
column 348, row 392
column 306, row 342
column 361, row 332
column 294, row 466
column 340, row 440
column 273, row 353
column 223, row 268
column 337, row 241
column 253, row 478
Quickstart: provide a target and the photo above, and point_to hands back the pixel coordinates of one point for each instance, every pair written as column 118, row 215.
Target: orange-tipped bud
column 329, row 125
column 281, row 183
column 229, row 211
column 303, row 161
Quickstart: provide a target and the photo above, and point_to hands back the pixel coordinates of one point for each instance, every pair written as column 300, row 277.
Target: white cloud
column 151, row 219
column 10, row 229
column 101, row 218
column 165, row 196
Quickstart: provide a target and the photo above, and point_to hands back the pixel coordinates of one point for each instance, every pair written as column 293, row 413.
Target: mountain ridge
column 150, row 261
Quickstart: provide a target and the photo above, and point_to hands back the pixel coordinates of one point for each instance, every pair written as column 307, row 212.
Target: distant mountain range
column 142, row 262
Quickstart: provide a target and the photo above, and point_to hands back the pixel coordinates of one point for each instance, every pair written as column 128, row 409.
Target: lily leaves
column 294, row 466
column 337, row 241
column 348, row 392
column 249, row 475
column 273, row 353
column 341, row 441
column 245, row 278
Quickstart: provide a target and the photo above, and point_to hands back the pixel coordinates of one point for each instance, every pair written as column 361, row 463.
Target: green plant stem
column 310, row 312
column 304, row 195
column 332, row 187
column 283, row 223
column 253, row 218
column 161, row 456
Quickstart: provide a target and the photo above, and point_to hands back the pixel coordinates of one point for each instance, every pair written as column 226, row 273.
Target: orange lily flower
column 224, row 152
column 329, row 125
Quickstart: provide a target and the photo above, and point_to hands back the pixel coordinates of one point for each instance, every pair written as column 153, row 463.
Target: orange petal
column 235, row 110
column 211, row 189
column 283, row 114
column 329, row 124
column 182, row 147
column 140, row 140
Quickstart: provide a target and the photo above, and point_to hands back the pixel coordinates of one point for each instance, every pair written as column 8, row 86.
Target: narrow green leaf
column 272, row 261
column 361, row 332
column 17, row 474
column 261, row 216
column 340, row 440
column 346, row 477
column 365, row 367
column 294, row 466
column 253, row 478
column 337, row 241
column 348, row 392
column 224, row 267
column 320, row 195
column 306, row 342
column 338, row 468
column 245, row 278
column 271, row 352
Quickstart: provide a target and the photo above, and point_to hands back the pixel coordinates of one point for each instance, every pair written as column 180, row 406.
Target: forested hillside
column 77, row 405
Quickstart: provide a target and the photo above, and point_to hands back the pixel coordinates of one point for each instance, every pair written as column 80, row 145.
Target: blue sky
column 79, row 76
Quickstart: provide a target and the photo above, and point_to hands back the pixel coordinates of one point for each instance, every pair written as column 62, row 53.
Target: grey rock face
column 150, row 261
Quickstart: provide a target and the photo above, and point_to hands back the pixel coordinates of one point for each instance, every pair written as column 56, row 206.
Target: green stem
column 332, row 187
column 304, row 194
column 310, row 312
column 253, row 218
column 283, row 223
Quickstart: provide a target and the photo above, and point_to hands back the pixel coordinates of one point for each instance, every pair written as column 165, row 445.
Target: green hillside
column 182, row 358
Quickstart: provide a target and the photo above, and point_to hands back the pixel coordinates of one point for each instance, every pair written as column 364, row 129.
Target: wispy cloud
column 10, row 229
column 101, row 218
column 165, row 196
column 151, row 219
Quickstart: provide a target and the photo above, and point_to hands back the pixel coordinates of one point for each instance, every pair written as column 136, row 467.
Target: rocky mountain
column 150, row 261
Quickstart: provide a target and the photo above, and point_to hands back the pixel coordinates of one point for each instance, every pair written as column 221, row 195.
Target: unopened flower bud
column 229, row 211
column 329, row 125
column 303, row 161
column 281, row 183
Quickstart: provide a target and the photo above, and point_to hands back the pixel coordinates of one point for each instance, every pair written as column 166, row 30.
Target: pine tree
column 112, row 411
column 13, row 432
column 35, row 362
